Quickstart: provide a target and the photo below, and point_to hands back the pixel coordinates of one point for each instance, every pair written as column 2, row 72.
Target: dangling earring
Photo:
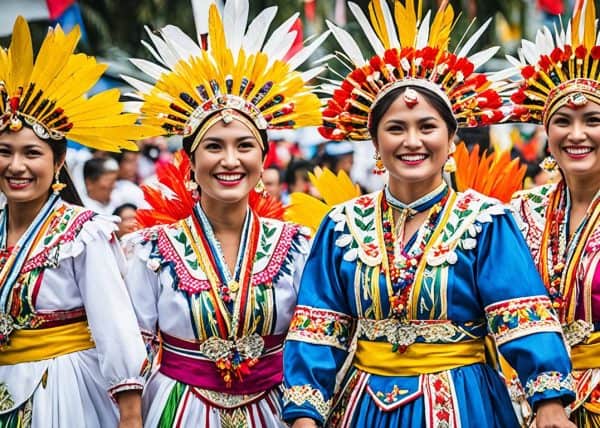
column 549, row 164
column 450, row 165
column 261, row 189
column 379, row 168
column 192, row 187
column 57, row 186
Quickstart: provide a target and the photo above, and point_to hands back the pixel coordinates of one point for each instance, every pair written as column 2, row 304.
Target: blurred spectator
column 126, row 188
column 338, row 156
column 152, row 150
column 128, row 223
column 271, row 178
column 100, row 176
column 296, row 178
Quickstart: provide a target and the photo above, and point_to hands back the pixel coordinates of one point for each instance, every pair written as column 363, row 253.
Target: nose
column 16, row 165
column 412, row 138
column 230, row 158
column 577, row 134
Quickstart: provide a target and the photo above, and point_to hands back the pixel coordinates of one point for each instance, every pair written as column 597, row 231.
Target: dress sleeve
column 519, row 313
column 98, row 272
column 319, row 334
column 142, row 281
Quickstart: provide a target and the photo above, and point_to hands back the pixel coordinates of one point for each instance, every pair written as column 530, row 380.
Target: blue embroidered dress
column 427, row 370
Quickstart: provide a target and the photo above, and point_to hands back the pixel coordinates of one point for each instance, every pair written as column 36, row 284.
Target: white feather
column 151, row 69
column 530, row 52
column 513, row 61
column 324, row 59
column 503, row 74
column 568, row 37
column 302, row 55
column 423, row 33
column 473, row 39
column 153, row 52
column 168, row 58
column 543, row 41
column 484, row 56
column 257, row 31
column 347, row 44
column 138, row 85
column 132, row 106
column 309, row 75
column 180, row 42
column 364, row 23
column 280, row 33
column 235, row 21
column 279, row 50
column 389, row 24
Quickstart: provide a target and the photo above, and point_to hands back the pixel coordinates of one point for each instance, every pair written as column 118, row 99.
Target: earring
column 191, row 185
column 57, row 186
column 450, row 165
column 261, row 189
column 379, row 168
column 549, row 165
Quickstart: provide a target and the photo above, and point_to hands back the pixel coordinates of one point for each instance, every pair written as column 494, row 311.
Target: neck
column 22, row 214
column 225, row 217
column 582, row 189
column 410, row 192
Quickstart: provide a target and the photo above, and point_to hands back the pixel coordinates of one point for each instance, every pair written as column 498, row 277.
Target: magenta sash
column 182, row 361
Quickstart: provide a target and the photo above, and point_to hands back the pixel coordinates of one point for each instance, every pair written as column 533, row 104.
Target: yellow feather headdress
column 410, row 50
column 49, row 94
column 558, row 71
column 239, row 71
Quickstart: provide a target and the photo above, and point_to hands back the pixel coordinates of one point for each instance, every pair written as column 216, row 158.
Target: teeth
column 413, row 158
column 578, row 150
column 19, row 180
column 229, row 177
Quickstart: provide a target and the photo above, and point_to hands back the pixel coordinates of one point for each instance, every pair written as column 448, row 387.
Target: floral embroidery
column 441, row 410
column 320, row 327
column 549, row 381
column 6, row 400
column 511, row 319
column 301, row 394
column 392, row 396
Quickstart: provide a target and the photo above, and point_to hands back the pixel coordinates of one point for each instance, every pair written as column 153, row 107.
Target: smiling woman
column 60, row 266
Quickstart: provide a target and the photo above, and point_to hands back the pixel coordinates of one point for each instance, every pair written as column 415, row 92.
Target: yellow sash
column 419, row 358
column 45, row 343
column 587, row 355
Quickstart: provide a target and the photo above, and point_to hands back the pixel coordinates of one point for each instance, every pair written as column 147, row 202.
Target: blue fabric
column 498, row 268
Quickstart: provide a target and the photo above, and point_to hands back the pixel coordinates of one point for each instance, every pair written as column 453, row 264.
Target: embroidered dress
column 403, row 328
column 222, row 332
column 69, row 338
column 570, row 268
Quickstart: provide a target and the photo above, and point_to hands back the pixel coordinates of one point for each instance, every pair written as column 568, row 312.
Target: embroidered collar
column 421, row 204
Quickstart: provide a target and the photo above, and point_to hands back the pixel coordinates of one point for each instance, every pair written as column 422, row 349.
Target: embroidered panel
column 305, row 394
column 511, row 319
column 548, row 381
column 441, row 410
column 321, row 327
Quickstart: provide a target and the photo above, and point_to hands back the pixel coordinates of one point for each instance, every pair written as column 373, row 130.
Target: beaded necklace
column 403, row 264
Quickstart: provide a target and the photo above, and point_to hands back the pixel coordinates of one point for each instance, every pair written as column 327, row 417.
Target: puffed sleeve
column 519, row 312
column 142, row 281
column 99, row 267
column 319, row 334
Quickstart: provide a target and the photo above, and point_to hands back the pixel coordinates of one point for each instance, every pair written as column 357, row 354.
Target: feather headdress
column 558, row 70
column 242, row 70
column 409, row 50
column 49, row 94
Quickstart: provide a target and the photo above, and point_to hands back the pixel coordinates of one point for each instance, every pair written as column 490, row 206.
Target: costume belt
column 418, row 358
column 58, row 334
column 586, row 355
column 247, row 365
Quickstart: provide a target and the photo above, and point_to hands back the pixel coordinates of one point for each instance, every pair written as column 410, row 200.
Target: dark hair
column 436, row 102
column 69, row 193
column 189, row 140
column 94, row 168
column 293, row 168
column 123, row 207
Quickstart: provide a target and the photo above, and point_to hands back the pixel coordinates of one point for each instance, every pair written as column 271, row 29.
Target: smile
column 18, row 183
column 578, row 151
column 413, row 157
column 229, row 178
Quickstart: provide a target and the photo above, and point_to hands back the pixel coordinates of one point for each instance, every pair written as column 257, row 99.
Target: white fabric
column 76, row 393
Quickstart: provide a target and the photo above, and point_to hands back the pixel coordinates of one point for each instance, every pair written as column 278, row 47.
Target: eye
column 212, row 146
column 394, row 128
column 593, row 120
column 4, row 151
column 34, row 153
column 247, row 145
column 428, row 126
column 560, row 121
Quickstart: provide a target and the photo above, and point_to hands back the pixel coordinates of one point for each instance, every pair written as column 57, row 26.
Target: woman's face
column 413, row 142
column 574, row 140
column 227, row 162
column 26, row 166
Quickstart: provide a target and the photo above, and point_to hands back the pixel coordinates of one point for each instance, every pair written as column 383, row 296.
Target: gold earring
column 549, row 164
column 260, row 188
column 450, row 165
column 379, row 168
column 57, row 186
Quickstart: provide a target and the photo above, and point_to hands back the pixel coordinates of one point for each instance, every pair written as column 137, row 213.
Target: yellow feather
column 406, row 22
column 306, row 210
column 378, row 23
column 589, row 37
column 20, row 57
column 334, row 189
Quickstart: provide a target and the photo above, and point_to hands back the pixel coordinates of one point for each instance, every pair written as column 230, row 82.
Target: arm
column 319, row 334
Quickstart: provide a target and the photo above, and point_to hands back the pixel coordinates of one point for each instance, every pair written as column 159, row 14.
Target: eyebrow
column 221, row 140
column 28, row 146
column 402, row 122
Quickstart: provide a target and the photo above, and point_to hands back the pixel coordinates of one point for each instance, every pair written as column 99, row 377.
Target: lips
column 578, row 150
column 229, row 179
column 413, row 158
column 18, row 183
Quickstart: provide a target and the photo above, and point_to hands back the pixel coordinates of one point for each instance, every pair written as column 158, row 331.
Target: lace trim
column 321, row 327
column 301, row 394
column 548, row 381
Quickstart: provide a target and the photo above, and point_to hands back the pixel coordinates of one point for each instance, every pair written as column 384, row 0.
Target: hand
column 130, row 409
column 551, row 414
column 304, row 423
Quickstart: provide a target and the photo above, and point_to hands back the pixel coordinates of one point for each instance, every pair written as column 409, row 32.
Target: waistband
column 418, row 358
column 586, row 355
column 248, row 365
column 27, row 345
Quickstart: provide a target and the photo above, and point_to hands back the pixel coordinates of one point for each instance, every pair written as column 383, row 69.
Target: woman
column 219, row 287
column 402, row 285
column 68, row 335
column 561, row 222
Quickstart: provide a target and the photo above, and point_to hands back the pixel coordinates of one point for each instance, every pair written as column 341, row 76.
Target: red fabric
column 298, row 41
column 57, row 7
column 310, row 9
column 553, row 7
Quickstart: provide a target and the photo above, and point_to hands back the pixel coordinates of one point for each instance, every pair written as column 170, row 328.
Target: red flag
column 57, row 7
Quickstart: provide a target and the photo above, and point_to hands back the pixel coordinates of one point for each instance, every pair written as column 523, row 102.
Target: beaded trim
column 306, row 394
column 548, row 381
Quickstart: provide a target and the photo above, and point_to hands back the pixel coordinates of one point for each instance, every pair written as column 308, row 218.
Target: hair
column 293, row 168
column 189, row 140
column 434, row 100
column 123, row 207
column 94, row 168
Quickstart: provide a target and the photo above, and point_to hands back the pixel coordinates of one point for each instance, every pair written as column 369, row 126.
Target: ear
column 60, row 162
column 375, row 143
